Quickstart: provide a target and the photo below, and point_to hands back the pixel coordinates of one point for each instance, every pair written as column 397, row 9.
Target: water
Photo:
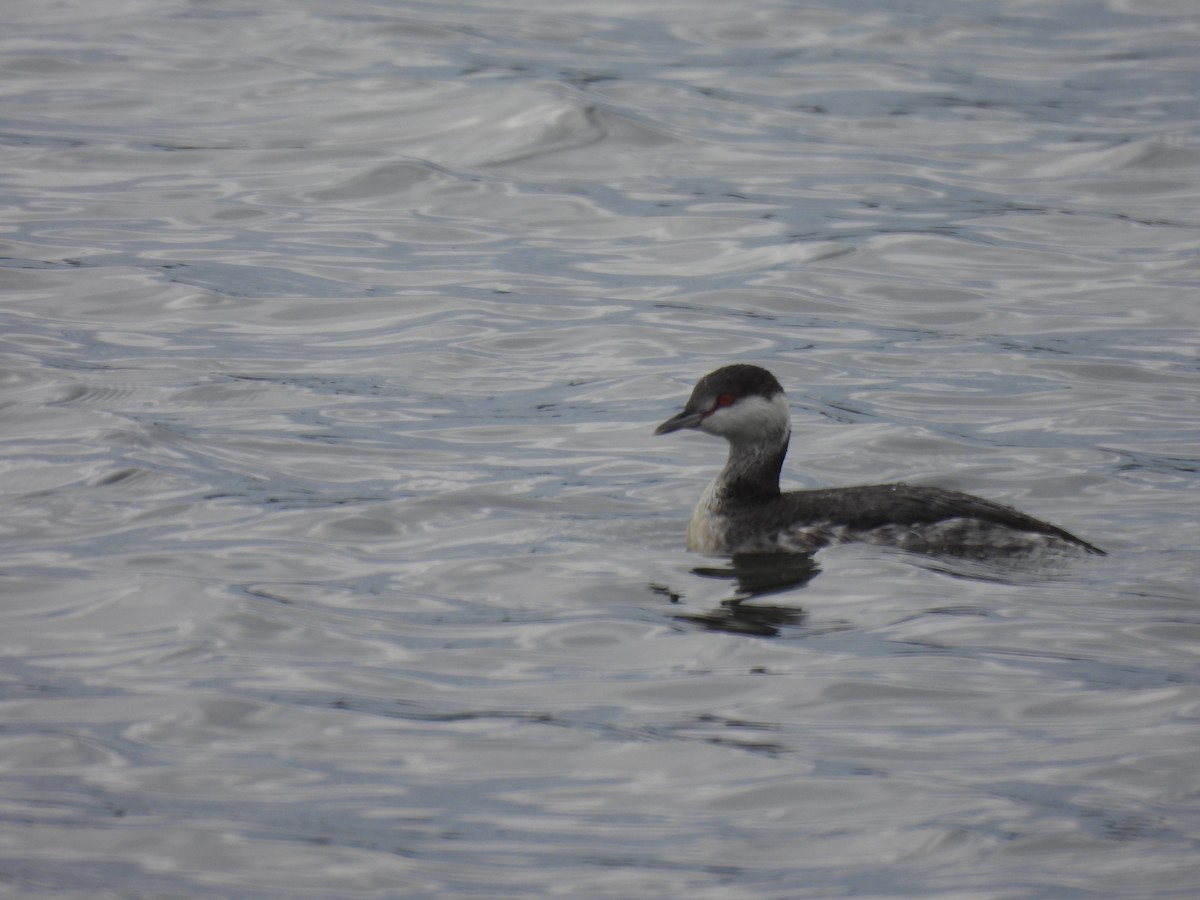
column 339, row 559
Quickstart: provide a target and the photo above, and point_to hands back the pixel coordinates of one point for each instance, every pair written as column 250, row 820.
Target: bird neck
column 751, row 473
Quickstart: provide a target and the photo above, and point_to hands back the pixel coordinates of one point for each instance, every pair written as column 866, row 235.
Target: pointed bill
column 685, row 419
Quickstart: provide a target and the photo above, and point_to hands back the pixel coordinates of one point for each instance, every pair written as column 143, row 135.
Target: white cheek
column 753, row 418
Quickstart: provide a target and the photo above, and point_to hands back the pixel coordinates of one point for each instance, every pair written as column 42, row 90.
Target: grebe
column 743, row 510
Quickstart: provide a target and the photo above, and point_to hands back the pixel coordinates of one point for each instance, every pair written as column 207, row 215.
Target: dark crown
column 741, row 380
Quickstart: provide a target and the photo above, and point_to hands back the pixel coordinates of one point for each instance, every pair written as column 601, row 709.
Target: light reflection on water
column 339, row 559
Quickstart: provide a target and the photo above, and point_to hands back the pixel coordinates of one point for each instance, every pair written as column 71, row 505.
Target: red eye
column 725, row 399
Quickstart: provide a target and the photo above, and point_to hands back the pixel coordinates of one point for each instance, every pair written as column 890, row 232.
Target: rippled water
column 338, row 557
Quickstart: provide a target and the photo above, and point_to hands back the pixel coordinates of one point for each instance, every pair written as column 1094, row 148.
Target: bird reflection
column 755, row 575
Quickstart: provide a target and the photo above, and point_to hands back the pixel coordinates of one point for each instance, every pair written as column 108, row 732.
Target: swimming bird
column 743, row 510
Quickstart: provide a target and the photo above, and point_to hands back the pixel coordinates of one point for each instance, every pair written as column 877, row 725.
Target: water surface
column 339, row 560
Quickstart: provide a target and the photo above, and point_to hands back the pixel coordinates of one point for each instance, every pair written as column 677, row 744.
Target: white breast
column 708, row 531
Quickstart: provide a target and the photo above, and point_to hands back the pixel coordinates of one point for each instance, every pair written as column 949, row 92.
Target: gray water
column 338, row 558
